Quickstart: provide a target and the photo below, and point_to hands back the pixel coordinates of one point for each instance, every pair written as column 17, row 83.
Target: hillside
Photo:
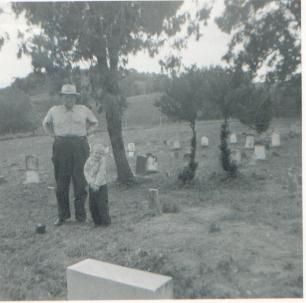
column 140, row 111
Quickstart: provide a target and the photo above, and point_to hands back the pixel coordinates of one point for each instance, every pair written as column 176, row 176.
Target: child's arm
column 100, row 178
column 87, row 172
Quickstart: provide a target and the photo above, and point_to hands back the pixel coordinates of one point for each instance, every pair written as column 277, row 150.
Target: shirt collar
column 67, row 109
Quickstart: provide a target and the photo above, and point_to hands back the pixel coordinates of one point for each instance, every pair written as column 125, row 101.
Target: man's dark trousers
column 69, row 156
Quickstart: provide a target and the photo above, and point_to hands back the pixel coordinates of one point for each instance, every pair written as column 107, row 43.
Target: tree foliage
column 182, row 102
column 265, row 34
column 227, row 164
column 16, row 114
column 184, row 96
column 253, row 106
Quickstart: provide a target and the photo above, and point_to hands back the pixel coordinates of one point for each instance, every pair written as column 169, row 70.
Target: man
column 70, row 124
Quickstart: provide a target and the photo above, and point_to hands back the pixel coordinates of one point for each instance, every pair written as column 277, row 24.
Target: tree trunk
column 193, row 143
column 114, row 127
column 113, row 113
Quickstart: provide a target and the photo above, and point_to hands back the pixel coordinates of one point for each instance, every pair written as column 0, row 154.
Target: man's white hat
column 69, row 89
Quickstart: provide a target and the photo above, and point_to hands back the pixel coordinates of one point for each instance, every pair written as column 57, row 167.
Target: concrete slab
column 95, row 280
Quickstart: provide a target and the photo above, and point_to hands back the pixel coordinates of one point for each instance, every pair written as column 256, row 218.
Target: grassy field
column 219, row 238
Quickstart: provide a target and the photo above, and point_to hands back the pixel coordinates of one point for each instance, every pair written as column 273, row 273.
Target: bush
column 16, row 113
column 254, row 107
column 227, row 164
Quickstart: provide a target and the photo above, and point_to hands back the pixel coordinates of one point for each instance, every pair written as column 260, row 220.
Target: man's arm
column 48, row 124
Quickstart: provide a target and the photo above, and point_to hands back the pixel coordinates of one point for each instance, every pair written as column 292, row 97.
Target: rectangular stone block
column 52, row 195
column 204, row 141
column 95, row 280
column 260, row 152
column 249, row 142
column 141, row 163
column 233, row 138
column 275, row 140
column 176, row 145
column 154, row 202
column 31, row 176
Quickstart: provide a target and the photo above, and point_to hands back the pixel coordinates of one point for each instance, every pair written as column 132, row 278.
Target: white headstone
column 131, row 147
column 236, row 156
column 95, row 280
column 275, row 140
column 249, row 142
column 204, row 141
column 260, row 152
column 233, row 138
column 152, row 164
column 32, row 176
column 32, row 167
column 176, row 145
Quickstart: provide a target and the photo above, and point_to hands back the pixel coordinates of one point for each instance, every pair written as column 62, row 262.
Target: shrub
column 16, row 114
column 227, row 164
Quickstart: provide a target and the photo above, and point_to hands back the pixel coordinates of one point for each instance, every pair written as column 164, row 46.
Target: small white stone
column 233, row 138
column 275, row 140
column 260, row 152
column 249, row 142
column 32, row 176
column 204, row 141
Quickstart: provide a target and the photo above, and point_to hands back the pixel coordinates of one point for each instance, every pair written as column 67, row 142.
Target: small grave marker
column 204, row 141
column 154, row 202
column 141, row 162
column 260, row 152
column 249, row 142
column 233, row 138
column 95, row 280
column 275, row 140
column 176, row 145
column 32, row 167
column 151, row 164
column 131, row 149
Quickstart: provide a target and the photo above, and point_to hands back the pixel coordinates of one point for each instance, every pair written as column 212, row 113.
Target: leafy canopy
column 103, row 32
column 265, row 36
column 184, row 96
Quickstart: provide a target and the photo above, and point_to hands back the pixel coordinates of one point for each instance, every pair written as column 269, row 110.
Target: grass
column 218, row 237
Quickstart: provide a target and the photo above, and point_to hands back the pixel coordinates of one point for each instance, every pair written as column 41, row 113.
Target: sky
column 207, row 51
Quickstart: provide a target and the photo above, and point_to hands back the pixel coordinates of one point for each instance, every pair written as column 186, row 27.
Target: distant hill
column 141, row 111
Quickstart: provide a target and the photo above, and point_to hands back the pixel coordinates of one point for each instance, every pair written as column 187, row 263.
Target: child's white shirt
column 95, row 172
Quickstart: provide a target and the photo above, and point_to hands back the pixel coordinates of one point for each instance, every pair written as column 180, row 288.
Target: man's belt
column 70, row 137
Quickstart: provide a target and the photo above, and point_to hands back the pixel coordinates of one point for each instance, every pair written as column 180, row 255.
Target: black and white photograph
column 151, row 150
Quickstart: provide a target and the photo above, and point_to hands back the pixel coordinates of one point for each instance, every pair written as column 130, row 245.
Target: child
column 95, row 174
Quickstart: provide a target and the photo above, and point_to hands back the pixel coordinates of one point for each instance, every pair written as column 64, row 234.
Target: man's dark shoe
column 59, row 222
